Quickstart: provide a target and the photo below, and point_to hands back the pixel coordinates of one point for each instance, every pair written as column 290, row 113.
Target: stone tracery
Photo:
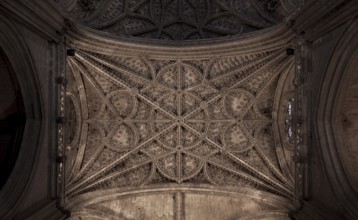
column 180, row 19
column 152, row 121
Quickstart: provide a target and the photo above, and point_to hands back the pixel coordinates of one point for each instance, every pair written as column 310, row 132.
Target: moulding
column 81, row 37
column 324, row 120
column 105, row 195
column 19, row 56
column 42, row 17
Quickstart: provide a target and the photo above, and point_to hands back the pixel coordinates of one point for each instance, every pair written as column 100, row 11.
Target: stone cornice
column 270, row 38
column 105, row 195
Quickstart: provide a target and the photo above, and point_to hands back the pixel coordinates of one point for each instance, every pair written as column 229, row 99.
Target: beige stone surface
column 203, row 122
column 181, row 203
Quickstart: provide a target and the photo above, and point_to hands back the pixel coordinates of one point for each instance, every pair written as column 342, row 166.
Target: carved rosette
column 153, row 121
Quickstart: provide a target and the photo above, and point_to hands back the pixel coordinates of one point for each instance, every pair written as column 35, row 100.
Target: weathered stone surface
column 180, row 19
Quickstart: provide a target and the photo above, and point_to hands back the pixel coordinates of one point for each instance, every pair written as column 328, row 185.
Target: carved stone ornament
column 179, row 19
column 166, row 117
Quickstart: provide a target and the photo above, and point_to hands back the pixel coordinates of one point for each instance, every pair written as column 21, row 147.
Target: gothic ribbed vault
column 176, row 119
column 180, row 19
column 168, row 119
column 180, row 109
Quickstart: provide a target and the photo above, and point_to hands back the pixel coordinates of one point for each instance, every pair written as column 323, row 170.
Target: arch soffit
column 330, row 90
column 81, row 37
column 19, row 56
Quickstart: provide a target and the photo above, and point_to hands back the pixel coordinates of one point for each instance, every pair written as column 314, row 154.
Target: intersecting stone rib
column 127, row 87
column 264, row 15
column 99, row 91
column 113, row 175
column 263, row 176
column 240, row 16
column 198, row 133
column 86, row 166
column 179, row 122
column 83, row 59
column 244, row 164
column 156, row 106
column 266, row 160
column 252, row 102
column 82, row 142
column 248, row 177
column 199, row 108
column 279, row 55
column 118, row 68
column 114, row 163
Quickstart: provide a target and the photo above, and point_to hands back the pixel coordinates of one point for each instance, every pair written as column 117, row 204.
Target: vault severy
column 180, row 19
column 146, row 121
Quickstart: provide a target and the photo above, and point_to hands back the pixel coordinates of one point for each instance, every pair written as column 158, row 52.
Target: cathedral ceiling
column 178, row 118
column 179, row 19
column 146, row 117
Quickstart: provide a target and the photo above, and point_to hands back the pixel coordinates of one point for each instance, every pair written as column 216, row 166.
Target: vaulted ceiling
column 147, row 121
column 179, row 19
column 210, row 116
column 169, row 109
column 176, row 116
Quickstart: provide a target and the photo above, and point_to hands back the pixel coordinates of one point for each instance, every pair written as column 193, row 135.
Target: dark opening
column 12, row 118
